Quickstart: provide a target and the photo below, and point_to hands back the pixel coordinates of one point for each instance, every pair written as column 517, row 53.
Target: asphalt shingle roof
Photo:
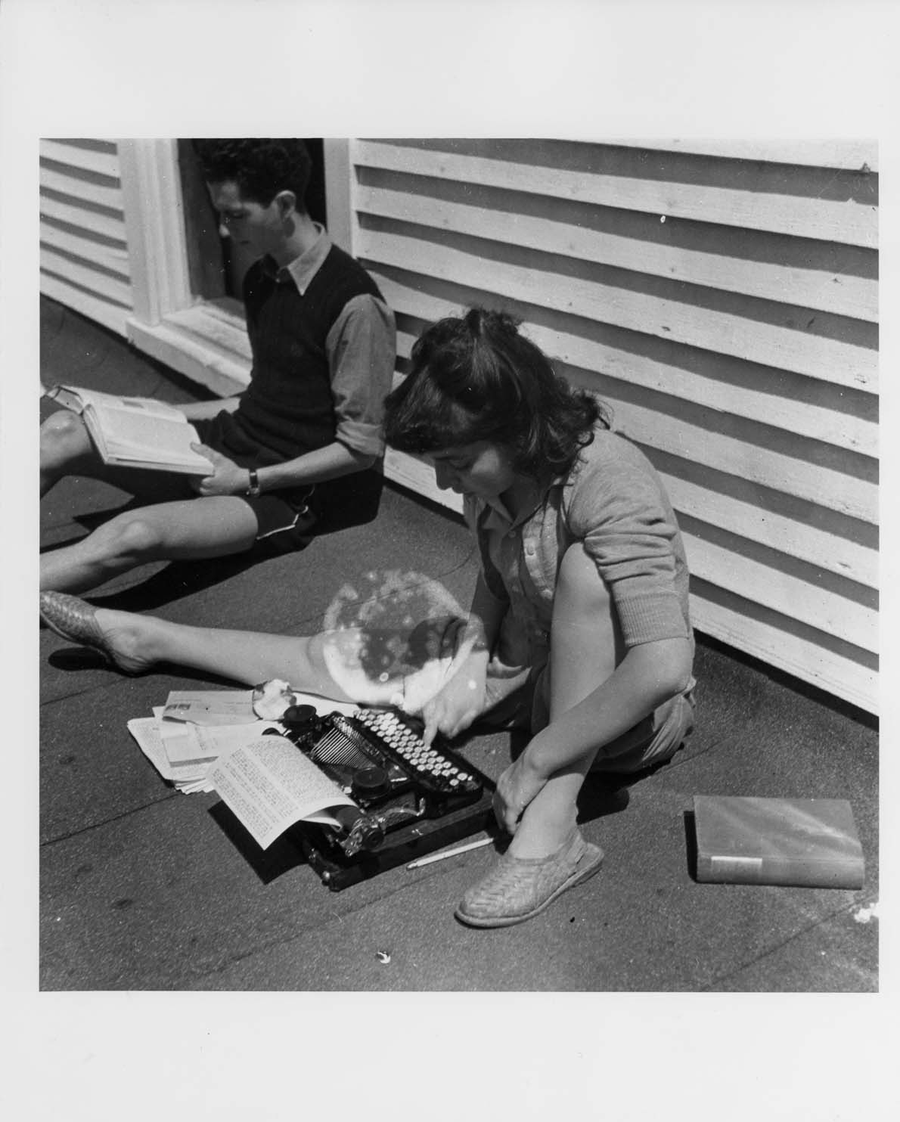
column 145, row 889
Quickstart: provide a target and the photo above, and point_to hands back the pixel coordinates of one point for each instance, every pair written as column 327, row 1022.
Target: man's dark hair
column 260, row 168
column 477, row 378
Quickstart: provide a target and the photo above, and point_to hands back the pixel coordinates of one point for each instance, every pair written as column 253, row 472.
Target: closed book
column 807, row 842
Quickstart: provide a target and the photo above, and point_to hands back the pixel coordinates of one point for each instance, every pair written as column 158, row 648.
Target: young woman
column 579, row 627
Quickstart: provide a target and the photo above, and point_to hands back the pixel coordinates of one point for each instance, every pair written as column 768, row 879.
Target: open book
column 269, row 784
column 135, row 431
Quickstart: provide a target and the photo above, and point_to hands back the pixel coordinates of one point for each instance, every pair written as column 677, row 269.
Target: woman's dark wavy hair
column 260, row 167
column 477, row 378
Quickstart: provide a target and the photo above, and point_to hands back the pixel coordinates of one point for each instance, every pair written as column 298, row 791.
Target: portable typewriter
column 410, row 798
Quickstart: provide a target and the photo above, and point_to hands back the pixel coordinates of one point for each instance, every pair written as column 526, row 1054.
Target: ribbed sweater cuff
column 647, row 618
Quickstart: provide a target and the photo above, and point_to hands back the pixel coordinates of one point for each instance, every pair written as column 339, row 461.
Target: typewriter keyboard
column 431, row 764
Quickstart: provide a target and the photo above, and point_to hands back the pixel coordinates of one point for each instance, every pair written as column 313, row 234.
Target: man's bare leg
column 65, row 449
column 176, row 531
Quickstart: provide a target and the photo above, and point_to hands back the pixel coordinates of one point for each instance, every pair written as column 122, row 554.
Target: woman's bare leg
column 248, row 657
column 584, row 652
column 175, row 531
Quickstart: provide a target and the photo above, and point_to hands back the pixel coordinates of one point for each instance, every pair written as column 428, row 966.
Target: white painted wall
column 84, row 260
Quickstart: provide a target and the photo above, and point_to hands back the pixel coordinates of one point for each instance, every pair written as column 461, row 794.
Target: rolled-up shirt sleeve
column 628, row 528
column 362, row 348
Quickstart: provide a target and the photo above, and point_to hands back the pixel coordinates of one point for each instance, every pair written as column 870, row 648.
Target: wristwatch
column 253, row 491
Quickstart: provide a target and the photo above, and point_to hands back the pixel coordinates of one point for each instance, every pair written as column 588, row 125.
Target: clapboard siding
column 810, row 655
column 766, row 333
column 98, row 157
column 723, row 299
column 85, row 274
column 712, row 256
column 847, row 155
column 84, row 258
column 773, row 458
column 671, row 186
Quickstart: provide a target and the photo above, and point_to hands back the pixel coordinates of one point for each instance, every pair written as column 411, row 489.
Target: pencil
column 449, row 853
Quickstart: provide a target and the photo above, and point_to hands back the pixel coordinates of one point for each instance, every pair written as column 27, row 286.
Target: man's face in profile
column 248, row 223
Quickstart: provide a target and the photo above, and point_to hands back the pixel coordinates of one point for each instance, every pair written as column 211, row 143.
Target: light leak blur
column 391, row 641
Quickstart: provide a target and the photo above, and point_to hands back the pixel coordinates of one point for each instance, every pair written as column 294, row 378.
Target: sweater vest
column 288, row 408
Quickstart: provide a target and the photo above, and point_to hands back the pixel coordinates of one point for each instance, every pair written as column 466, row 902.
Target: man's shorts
column 286, row 518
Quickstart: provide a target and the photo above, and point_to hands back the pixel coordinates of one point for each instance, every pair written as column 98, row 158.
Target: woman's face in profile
column 482, row 469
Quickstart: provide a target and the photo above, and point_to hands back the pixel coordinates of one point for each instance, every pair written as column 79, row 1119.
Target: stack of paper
column 187, row 735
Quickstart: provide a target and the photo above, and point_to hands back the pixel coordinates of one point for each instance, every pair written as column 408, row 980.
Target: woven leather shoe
column 73, row 619
column 518, row 888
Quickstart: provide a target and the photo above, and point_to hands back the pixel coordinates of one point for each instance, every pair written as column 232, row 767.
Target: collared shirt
column 614, row 503
column 361, row 343
column 507, row 544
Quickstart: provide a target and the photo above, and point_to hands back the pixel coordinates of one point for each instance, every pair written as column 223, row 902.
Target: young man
column 297, row 447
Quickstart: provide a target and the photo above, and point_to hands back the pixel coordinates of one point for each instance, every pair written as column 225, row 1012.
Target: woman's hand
column 226, row 479
column 516, row 787
column 456, row 705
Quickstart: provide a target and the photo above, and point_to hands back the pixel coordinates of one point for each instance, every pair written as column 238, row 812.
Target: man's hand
column 516, row 787
column 226, row 479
